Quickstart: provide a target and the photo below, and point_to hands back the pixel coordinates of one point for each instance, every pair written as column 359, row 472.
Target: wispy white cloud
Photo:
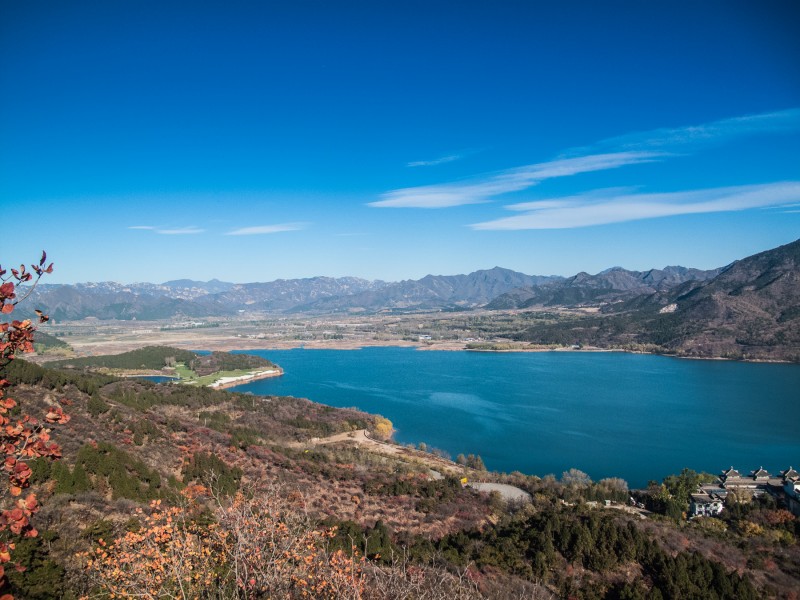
column 436, row 161
column 592, row 209
column 481, row 189
column 169, row 231
column 192, row 230
column 562, row 201
column 629, row 149
column 690, row 137
column 267, row 229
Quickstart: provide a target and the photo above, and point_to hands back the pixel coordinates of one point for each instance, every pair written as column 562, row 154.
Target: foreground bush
column 242, row 547
column 255, row 545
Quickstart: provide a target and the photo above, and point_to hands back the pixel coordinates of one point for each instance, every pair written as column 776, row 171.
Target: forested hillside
column 156, row 358
column 129, row 443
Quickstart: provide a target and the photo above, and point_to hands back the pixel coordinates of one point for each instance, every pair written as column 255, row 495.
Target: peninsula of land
column 219, row 370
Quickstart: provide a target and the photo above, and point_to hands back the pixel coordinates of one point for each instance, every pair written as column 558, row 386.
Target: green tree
column 379, row 542
column 42, row 578
column 209, row 469
column 97, row 405
column 80, row 480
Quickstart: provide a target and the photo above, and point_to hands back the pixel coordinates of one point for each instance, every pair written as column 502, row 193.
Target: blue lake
column 157, row 378
column 638, row 417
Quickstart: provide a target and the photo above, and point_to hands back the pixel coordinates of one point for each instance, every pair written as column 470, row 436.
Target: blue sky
column 245, row 141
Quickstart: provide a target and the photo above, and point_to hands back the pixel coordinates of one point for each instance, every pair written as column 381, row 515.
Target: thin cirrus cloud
column 629, row 149
column 436, row 161
column 180, row 231
column 723, row 130
column 482, row 189
column 191, row 230
column 268, row 229
column 599, row 208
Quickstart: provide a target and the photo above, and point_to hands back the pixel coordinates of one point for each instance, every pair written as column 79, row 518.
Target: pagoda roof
column 730, row 473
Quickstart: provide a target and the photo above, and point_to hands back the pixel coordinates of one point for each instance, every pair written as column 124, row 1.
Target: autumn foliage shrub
column 260, row 545
column 383, row 428
column 22, row 437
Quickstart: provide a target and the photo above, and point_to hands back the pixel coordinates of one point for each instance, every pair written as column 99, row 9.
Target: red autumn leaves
column 22, row 437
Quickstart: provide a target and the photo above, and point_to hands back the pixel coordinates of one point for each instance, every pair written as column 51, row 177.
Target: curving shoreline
column 227, row 344
column 229, row 382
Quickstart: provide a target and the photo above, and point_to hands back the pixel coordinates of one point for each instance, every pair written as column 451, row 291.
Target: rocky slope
column 751, row 309
column 612, row 285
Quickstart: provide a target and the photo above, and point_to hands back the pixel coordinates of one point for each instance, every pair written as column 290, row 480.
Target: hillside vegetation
column 189, row 367
column 151, row 357
column 222, row 467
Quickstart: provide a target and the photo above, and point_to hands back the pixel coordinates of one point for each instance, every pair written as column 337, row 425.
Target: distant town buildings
column 709, row 500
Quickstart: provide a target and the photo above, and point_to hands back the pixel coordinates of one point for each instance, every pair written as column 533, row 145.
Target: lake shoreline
column 229, row 382
column 244, row 345
column 459, row 347
column 607, row 414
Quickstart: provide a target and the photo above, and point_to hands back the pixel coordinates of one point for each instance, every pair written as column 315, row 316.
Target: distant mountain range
column 196, row 299
column 432, row 292
column 612, row 285
column 748, row 308
column 185, row 298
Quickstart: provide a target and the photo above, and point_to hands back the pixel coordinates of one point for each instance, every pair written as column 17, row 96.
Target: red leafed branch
column 22, row 437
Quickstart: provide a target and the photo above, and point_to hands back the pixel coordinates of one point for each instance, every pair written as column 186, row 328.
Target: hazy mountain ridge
column 286, row 294
column 187, row 298
column 612, row 285
column 208, row 287
column 434, row 291
column 751, row 309
column 111, row 300
column 759, row 287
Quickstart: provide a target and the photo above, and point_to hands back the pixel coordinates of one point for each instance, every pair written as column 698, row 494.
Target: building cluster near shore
column 709, row 500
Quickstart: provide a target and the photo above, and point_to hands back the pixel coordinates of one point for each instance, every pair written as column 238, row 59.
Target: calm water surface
column 638, row 417
column 157, row 378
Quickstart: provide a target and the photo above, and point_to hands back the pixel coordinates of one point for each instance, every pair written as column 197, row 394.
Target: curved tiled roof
column 730, row 473
column 760, row 473
column 790, row 473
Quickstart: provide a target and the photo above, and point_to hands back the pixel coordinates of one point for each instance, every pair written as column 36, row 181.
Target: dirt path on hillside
column 363, row 439
column 508, row 492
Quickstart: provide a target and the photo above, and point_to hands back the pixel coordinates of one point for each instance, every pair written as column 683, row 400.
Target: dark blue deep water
column 638, row 417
